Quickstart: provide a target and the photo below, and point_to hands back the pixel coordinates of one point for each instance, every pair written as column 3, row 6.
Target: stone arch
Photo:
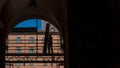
column 56, row 24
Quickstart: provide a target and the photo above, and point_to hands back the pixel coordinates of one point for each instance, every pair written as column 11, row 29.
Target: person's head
column 50, row 35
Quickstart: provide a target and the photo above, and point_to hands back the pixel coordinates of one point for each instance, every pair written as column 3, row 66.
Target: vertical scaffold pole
column 36, row 36
column 46, row 38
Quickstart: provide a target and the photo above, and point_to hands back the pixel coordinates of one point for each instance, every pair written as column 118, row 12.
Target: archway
column 30, row 39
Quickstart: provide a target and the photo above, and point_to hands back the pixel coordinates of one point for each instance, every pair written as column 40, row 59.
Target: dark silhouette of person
column 50, row 42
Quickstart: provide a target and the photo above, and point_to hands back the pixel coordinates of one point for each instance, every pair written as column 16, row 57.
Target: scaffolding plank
column 34, row 61
column 34, row 54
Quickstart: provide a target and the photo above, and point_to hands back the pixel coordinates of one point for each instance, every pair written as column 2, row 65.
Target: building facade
column 25, row 50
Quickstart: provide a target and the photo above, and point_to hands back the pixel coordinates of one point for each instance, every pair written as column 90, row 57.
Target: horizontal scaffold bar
column 34, row 54
column 34, row 61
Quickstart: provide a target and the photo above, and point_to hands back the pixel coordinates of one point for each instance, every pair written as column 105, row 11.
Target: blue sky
column 30, row 23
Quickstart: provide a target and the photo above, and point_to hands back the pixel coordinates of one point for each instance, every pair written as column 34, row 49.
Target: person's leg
column 51, row 50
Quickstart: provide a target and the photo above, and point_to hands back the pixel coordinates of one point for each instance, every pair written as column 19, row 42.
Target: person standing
column 50, row 43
